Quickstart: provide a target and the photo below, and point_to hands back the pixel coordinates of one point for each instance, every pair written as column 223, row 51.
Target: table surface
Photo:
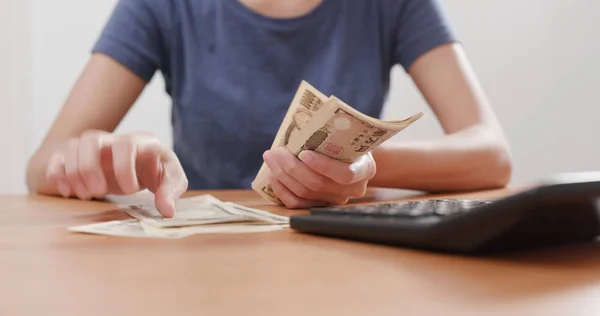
column 47, row 270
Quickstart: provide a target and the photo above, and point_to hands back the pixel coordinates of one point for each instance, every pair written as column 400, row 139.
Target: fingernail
column 358, row 172
column 267, row 157
column 171, row 203
column 307, row 156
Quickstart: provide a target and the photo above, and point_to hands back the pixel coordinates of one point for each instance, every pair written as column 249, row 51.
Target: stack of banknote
column 202, row 214
column 329, row 126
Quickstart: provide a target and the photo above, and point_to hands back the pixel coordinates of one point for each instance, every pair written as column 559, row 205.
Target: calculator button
column 402, row 209
column 445, row 207
column 473, row 203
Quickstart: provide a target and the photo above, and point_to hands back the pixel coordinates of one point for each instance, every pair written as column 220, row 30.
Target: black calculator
column 562, row 210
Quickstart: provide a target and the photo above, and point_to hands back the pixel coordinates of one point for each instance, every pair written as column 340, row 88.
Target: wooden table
column 47, row 270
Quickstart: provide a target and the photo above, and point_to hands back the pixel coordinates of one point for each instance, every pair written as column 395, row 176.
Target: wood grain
column 47, row 270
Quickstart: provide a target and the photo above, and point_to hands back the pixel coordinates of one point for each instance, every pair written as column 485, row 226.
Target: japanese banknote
column 203, row 214
column 329, row 126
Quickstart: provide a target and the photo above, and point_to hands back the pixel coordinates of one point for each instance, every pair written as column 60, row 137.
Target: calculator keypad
column 435, row 207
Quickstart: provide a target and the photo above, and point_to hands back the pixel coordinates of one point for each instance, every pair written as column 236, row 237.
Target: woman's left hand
column 315, row 179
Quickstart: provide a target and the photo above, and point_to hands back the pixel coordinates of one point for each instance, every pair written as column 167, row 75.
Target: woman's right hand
column 79, row 157
column 100, row 163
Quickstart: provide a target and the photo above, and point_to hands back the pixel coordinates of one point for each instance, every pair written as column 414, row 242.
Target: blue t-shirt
column 232, row 73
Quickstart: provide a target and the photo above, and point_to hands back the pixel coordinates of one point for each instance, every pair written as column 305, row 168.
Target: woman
column 232, row 67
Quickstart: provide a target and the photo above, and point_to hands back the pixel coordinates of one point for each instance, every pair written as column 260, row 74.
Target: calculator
column 561, row 210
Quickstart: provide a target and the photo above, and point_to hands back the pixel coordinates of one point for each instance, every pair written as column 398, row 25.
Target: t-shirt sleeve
column 132, row 37
column 420, row 26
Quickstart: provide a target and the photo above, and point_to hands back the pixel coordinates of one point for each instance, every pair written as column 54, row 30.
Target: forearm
column 472, row 159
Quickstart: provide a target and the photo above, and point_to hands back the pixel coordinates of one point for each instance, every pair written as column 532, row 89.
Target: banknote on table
column 227, row 228
column 329, row 126
column 202, row 210
column 138, row 229
column 122, row 228
column 203, row 214
column 259, row 215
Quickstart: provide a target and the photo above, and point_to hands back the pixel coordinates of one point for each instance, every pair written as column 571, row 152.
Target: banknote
column 229, row 228
column 186, row 214
column 258, row 215
column 203, row 214
column 182, row 202
column 121, row 228
column 333, row 128
column 138, row 229
column 342, row 133
column 202, row 210
column 305, row 103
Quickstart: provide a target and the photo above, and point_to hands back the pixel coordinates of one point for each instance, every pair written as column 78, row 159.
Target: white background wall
column 15, row 93
column 537, row 59
column 539, row 62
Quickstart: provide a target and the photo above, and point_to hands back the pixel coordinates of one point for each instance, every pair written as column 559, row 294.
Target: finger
column 339, row 171
column 56, row 174
column 304, row 178
column 171, row 179
column 124, row 152
column 72, row 171
column 289, row 199
column 173, row 184
column 286, row 180
column 90, row 167
column 276, row 166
